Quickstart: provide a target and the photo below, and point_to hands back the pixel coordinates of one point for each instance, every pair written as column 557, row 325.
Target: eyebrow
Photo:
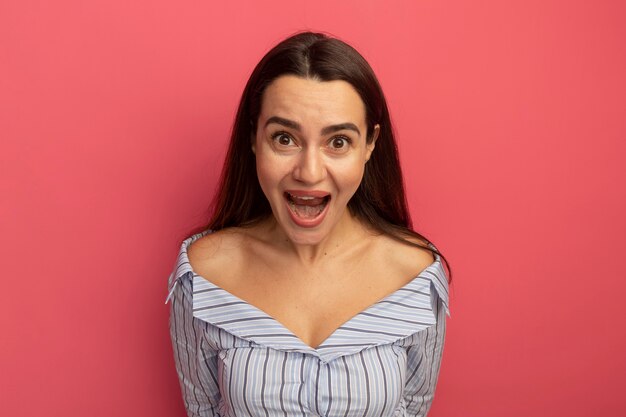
column 325, row 131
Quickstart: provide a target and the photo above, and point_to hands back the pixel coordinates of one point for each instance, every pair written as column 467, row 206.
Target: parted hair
column 380, row 198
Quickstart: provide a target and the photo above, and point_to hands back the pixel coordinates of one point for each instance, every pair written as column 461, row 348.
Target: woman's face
column 311, row 151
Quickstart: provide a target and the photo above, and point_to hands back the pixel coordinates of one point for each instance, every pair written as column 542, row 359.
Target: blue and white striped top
column 233, row 359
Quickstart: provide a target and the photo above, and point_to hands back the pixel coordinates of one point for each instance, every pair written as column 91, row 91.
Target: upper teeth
column 304, row 197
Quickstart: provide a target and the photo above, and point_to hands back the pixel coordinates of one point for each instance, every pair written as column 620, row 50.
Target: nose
column 310, row 167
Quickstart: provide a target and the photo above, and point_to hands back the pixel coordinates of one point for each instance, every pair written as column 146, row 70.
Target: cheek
column 349, row 177
column 269, row 171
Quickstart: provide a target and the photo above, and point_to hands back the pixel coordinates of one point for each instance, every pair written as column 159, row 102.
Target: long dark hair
column 380, row 199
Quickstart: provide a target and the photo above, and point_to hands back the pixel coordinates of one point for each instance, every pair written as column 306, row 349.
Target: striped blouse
column 233, row 359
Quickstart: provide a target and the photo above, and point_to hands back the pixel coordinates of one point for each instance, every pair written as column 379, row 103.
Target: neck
column 344, row 235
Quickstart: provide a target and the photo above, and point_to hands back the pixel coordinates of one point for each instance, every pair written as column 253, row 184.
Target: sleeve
column 196, row 362
column 423, row 362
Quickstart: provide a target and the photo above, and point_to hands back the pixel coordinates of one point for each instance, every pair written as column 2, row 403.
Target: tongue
column 307, row 211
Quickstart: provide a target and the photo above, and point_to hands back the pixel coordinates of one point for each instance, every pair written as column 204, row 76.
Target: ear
column 370, row 146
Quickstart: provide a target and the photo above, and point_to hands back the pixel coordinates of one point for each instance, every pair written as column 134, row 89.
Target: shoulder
column 209, row 244
column 216, row 251
column 410, row 257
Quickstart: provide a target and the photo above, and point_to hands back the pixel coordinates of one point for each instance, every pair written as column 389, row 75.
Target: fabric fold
column 401, row 314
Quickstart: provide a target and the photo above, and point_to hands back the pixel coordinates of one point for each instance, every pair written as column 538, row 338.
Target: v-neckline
column 406, row 310
column 260, row 312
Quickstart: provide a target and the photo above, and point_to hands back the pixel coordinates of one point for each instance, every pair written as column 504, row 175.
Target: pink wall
column 511, row 121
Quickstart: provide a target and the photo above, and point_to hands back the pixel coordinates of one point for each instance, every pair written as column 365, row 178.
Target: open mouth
column 307, row 207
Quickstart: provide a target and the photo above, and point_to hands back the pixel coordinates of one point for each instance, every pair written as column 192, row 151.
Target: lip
column 306, row 193
column 308, row 223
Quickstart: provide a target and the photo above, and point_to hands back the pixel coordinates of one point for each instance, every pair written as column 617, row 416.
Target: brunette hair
column 380, row 199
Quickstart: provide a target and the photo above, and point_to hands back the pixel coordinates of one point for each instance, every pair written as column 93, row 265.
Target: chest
column 260, row 381
column 313, row 304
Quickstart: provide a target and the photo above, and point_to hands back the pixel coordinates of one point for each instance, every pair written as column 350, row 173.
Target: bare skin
column 314, row 294
column 311, row 272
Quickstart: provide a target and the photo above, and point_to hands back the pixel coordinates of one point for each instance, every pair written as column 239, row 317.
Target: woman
column 309, row 294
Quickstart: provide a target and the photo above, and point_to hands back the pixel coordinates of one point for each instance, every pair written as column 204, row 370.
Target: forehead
column 306, row 100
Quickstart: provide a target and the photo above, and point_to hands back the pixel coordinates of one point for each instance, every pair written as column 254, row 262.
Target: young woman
column 308, row 294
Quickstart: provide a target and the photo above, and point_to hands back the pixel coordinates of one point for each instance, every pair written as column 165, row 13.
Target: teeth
column 306, row 197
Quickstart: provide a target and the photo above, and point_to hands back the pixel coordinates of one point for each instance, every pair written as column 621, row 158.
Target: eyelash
column 278, row 134
column 344, row 138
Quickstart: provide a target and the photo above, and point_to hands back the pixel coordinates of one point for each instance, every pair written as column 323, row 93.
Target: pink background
column 510, row 115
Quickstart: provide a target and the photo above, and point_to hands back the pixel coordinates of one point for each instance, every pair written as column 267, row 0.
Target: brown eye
column 339, row 143
column 282, row 139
